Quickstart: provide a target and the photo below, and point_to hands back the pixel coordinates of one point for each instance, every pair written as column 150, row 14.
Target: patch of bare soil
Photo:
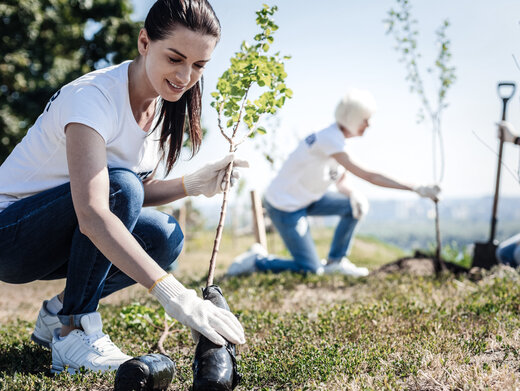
column 419, row 265
column 304, row 297
column 23, row 301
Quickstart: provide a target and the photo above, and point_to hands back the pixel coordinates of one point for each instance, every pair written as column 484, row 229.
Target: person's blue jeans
column 294, row 229
column 508, row 252
column 40, row 240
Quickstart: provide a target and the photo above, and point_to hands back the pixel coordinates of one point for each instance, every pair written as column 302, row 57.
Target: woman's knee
column 171, row 242
column 126, row 192
column 161, row 235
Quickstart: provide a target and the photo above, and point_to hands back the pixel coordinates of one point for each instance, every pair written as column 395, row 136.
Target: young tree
column 44, row 46
column 404, row 29
column 253, row 71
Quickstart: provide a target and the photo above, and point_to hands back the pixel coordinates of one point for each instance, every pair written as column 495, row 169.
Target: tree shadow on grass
column 24, row 357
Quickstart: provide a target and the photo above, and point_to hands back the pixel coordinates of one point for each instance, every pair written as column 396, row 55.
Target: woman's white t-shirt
column 308, row 171
column 100, row 100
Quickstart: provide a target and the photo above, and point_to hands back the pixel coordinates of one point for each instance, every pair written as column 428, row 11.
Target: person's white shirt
column 100, row 100
column 308, row 171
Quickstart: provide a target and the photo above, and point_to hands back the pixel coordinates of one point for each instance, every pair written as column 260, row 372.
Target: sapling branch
column 248, row 135
column 235, row 128
column 516, row 61
column 219, row 118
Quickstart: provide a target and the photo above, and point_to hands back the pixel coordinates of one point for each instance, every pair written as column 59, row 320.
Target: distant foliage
column 43, row 46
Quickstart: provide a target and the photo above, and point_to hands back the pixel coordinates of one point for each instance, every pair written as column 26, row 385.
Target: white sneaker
column 245, row 263
column 45, row 325
column 346, row 268
column 89, row 348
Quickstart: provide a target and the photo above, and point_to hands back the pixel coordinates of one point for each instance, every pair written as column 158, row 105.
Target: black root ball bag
column 214, row 367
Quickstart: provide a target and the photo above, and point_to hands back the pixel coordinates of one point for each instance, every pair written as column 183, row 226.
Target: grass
column 383, row 332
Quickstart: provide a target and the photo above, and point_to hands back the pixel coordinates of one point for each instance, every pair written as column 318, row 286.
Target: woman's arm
column 208, row 180
column 373, row 177
column 89, row 181
column 160, row 192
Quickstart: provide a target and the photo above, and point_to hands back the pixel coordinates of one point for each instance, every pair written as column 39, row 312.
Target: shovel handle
column 502, row 92
column 505, row 90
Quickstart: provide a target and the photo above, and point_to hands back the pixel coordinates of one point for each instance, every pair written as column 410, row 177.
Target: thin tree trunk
column 438, row 262
column 220, row 227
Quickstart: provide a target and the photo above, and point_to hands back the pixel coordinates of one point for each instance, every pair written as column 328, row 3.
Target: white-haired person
column 300, row 189
column 508, row 252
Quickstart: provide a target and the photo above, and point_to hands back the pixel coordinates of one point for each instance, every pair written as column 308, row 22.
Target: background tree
column 48, row 43
column 404, row 29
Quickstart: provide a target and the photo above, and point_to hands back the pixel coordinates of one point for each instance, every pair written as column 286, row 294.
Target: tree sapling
column 404, row 30
column 253, row 71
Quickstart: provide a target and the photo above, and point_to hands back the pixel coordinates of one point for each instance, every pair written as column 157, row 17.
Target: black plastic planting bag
column 214, row 367
column 152, row 372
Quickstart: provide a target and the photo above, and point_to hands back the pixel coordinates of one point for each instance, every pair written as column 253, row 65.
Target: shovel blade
column 484, row 255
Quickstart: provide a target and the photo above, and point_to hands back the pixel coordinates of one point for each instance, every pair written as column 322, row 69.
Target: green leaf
column 251, row 66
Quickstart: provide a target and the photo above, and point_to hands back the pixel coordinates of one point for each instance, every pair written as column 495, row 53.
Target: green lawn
column 319, row 333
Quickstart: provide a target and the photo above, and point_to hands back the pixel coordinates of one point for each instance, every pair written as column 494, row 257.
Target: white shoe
column 346, row 268
column 245, row 263
column 45, row 325
column 89, row 348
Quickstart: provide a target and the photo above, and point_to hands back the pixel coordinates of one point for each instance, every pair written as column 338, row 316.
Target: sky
column 340, row 44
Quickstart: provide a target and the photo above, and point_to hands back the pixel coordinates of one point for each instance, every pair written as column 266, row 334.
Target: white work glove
column 428, row 191
column 201, row 315
column 209, row 180
column 508, row 131
column 359, row 204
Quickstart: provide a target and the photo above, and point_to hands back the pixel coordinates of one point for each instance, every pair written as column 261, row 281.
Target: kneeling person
column 300, row 190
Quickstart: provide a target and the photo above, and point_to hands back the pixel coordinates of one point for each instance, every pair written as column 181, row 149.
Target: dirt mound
column 419, row 265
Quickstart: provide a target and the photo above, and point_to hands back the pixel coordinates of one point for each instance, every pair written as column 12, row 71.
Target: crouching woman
column 72, row 192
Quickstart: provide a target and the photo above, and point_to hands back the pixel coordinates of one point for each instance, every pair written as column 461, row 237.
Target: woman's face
column 173, row 65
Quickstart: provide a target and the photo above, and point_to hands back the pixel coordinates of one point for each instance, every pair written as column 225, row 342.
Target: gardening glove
column 428, row 191
column 359, row 204
column 209, row 180
column 507, row 131
column 201, row 315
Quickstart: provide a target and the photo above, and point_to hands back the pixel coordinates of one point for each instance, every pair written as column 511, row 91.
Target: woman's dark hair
column 162, row 19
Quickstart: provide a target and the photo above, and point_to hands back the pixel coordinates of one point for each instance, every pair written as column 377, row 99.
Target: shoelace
column 347, row 261
column 101, row 342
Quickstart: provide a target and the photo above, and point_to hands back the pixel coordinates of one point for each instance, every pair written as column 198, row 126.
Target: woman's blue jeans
column 40, row 240
column 508, row 252
column 294, row 229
